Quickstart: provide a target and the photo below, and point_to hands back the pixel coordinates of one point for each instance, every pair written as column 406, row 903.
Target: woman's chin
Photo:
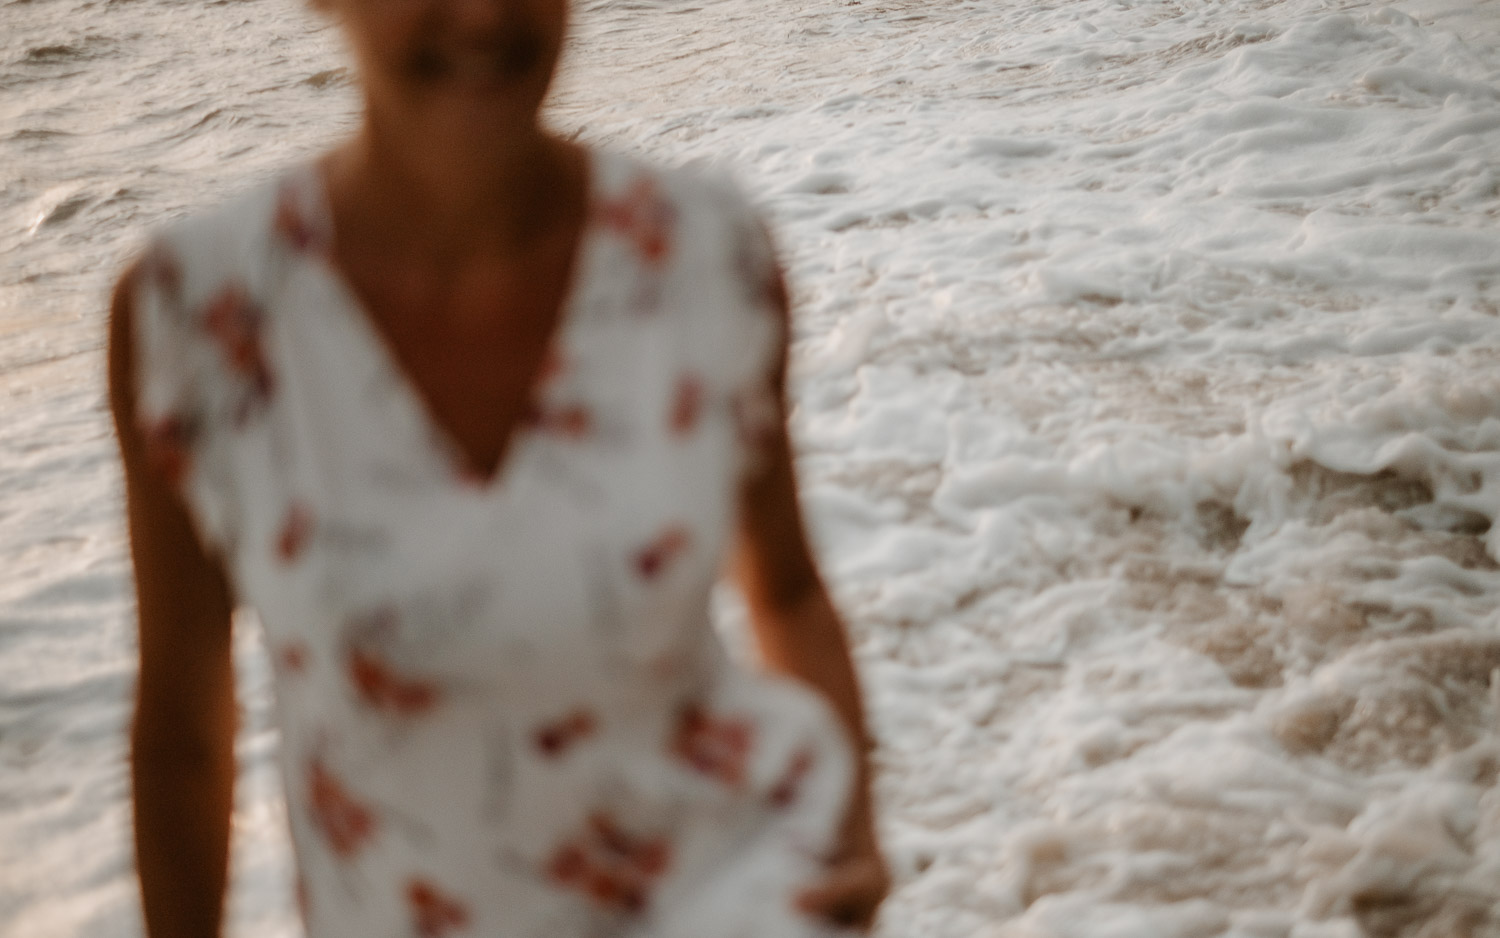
column 474, row 106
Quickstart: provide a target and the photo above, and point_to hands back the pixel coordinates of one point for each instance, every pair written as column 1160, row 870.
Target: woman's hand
column 857, row 881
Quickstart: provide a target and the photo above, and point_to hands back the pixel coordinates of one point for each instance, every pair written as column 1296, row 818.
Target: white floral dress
column 503, row 709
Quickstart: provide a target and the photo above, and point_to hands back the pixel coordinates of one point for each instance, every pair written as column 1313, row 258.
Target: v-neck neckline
column 438, row 439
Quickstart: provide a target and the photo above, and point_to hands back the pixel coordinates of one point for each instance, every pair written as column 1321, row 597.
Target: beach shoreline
column 1144, row 388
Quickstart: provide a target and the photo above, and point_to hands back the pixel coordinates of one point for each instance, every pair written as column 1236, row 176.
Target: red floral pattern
column 346, row 824
column 169, row 447
column 296, row 530
column 687, row 405
column 653, row 559
column 380, row 687
column 234, row 322
column 784, row 793
column 433, row 912
column 611, row 866
column 568, row 420
column 643, row 217
column 293, row 225
column 718, row 747
column 212, row 363
column 291, row 657
column 558, row 737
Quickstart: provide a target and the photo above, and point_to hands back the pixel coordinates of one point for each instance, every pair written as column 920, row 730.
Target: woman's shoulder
column 224, row 241
column 695, row 229
column 693, row 222
column 701, row 190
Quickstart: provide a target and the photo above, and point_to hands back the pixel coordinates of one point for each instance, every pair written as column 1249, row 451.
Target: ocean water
column 1147, row 386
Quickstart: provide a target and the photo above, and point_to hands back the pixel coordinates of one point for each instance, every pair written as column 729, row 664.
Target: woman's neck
column 494, row 192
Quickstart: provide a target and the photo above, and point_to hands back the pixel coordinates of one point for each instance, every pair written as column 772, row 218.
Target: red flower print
column 612, row 867
column 652, row 559
column 346, row 824
column 433, row 913
column 169, row 446
column 291, row 222
column 569, row 864
column 717, row 747
column 296, row 530
column 644, row 217
column 556, row 738
column 786, row 789
column 571, row 420
column 687, row 404
column 292, row 657
column 234, row 322
column 382, row 688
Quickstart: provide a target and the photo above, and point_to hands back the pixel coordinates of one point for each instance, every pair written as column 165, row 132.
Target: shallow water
column 1146, row 389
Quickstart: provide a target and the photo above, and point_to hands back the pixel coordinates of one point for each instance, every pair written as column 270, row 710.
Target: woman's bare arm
column 798, row 633
column 182, row 737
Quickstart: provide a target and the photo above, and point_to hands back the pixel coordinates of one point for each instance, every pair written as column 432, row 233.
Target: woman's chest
column 379, row 556
column 593, row 552
column 471, row 346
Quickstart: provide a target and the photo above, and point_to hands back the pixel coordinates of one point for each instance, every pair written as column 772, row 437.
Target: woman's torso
column 503, row 708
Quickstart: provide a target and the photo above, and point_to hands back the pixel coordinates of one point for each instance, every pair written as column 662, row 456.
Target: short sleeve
column 759, row 332
column 173, row 358
column 163, row 388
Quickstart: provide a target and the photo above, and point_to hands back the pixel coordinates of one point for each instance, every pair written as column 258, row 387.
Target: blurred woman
column 473, row 418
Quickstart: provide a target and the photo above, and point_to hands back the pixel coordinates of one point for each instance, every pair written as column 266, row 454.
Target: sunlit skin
column 457, row 216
